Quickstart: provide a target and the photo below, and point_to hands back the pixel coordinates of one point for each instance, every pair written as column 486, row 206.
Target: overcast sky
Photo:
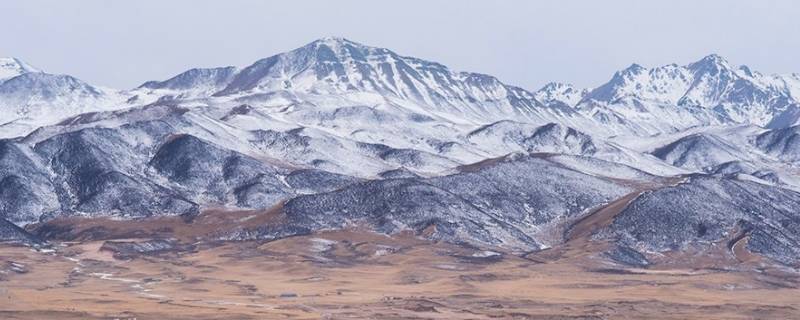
column 526, row 43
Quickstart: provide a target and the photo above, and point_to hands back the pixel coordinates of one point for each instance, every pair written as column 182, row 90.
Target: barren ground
column 354, row 274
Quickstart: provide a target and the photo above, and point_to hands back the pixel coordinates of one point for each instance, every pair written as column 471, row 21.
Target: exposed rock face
column 216, row 174
column 627, row 256
column 315, row 181
column 732, row 168
column 336, row 65
column 708, row 210
column 132, row 249
column 337, row 134
column 551, row 137
column 706, row 92
column 559, row 139
column 560, row 93
column 698, row 151
column 13, row 234
column 140, row 170
column 782, row 143
column 26, row 190
column 398, row 173
column 97, row 173
column 506, row 203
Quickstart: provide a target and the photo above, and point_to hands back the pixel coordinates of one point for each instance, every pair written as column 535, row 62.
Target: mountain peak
column 45, row 87
column 550, row 86
column 746, row 70
column 12, row 60
column 634, row 68
column 710, row 62
column 337, row 66
column 196, row 79
column 559, row 92
column 11, row 67
column 333, row 39
column 335, row 44
column 714, row 58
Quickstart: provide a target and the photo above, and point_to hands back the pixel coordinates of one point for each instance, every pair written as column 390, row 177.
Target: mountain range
column 338, row 134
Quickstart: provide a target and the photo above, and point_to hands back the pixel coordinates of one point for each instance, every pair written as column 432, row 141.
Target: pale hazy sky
column 526, row 43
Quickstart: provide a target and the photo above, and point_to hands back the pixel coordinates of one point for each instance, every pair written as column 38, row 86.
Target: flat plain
column 355, row 274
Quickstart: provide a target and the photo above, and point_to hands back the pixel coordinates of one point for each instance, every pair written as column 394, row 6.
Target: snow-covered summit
column 30, row 98
column 560, row 92
column 198, row 81
column 12, row 67
column 335, row 72
column 338, row 67
column 706, row 92
column 44, row 87
column 401, row 143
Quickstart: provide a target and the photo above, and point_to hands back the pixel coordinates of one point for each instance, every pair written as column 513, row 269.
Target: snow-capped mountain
column 31, row 89
column 337, row 66
column 30, row 97
column 707, row 92
column 337, row 133
column 699, row 151
column 636, row 101
column 790, row 83
column 195, row 82
column 12, row 67
column 556, row 92
column 782, row 143
column 346, row 69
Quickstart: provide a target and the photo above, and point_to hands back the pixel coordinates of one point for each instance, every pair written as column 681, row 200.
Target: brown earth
column 360, row 275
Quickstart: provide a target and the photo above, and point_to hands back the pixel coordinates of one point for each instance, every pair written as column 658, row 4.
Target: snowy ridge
column 707, row 92
column 30, row 98
column 636, row 101
column 556, row 92
column 195, row 82
column 12, row 67
column 341, row 69
column 343, row 133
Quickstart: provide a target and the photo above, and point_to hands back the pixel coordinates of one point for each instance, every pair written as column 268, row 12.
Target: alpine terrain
column 337, row 167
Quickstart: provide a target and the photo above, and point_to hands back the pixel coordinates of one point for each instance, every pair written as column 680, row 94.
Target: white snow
column 348, row 108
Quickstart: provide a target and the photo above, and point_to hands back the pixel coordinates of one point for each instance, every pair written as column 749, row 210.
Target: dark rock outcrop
column 708, row 209
column 505, row 203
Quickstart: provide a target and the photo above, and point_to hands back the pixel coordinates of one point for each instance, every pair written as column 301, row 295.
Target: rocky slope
column 705, row 211
column 30, row 98
column 10, row 233
column 707, row 92
column 338, row 134
column 699, row 152
column 781, row 143
column 515, row 203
